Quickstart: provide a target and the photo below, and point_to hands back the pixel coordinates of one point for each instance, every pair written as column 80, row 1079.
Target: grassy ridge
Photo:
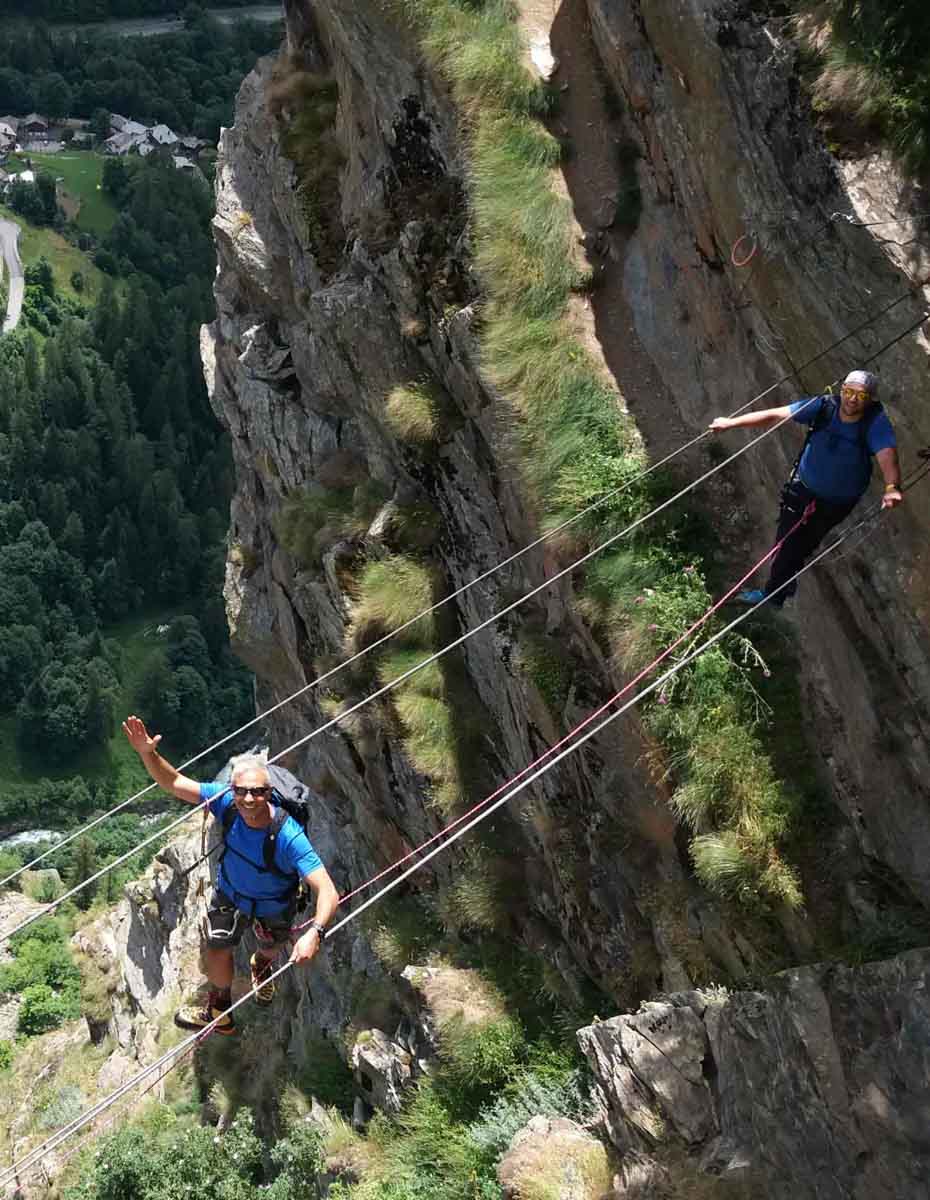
column 578, row 446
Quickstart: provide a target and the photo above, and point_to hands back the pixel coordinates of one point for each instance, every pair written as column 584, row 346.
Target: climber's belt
column 226, row 923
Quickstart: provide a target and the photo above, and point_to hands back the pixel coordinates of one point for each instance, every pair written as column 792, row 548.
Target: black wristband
column 321, row 929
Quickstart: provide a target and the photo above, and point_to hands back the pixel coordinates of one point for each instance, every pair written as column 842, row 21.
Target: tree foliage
column 113, row 478
column 186, row 80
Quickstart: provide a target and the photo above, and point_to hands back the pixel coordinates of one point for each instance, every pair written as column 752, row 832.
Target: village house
column 161, row 135
column 185, row 164
column 7, row 138
column 34, row 128
column 130, row 137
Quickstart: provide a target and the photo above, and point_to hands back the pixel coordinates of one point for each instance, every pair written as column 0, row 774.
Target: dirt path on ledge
column 594, row 135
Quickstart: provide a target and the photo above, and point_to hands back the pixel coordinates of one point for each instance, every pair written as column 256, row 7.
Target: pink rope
column 718, row 604
column 742, row 262
column 582, row 724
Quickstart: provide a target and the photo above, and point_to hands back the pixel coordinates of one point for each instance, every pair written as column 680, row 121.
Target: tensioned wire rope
column 453, row 595
column 173, row 1056
column 447, row 829
column 549, row 533
column 5, row 935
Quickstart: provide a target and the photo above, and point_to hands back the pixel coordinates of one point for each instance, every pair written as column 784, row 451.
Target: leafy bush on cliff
column 873, row 64
column 162, row 1161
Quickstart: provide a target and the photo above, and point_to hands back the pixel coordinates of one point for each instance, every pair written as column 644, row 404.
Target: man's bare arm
column 327, row 901
column 324, row 890
column 887, row 460
column 164, row 774
column 765, row 418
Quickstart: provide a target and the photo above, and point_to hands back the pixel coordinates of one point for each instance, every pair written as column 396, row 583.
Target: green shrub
column 549, row 668
column 6, row 1055
column 98, row 983
column 579, row 448
column 403, row 931
column 40, row 961
column 161, row 1162
column 430, row 741
column 298, row 1161
column 476, row 1061
column 475, row 898
column 326, row 1075
column 307, row 103
column 874, row 65
column 426, row 1155
column 62, row 1107
column 530, row 1095
column 10, row 862
column 397, row 662
column 42, row 1010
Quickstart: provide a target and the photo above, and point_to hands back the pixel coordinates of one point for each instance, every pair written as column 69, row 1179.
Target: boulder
column 383, row 1069
column 816, row 1087
column 557, row 1158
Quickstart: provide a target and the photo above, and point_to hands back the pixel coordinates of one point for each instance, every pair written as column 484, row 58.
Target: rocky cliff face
column 319, row 319
column 306, row 347
column 321, row 314
column 729, row 151
column 814, row 1087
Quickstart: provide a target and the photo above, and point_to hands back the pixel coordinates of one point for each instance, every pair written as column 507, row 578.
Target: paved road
column 9, row 237
column 151, row 26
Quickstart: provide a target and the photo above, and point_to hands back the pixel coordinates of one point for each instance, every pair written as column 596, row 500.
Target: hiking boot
column 198, row 1017
column 261, row 969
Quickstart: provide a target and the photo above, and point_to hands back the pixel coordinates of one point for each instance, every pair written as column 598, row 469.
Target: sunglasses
column 261, row 793
column 851, row 393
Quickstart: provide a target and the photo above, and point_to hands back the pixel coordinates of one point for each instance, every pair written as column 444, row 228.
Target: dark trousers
column 801, row 544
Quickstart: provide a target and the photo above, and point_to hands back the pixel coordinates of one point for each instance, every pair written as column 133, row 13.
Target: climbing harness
column 513, row 788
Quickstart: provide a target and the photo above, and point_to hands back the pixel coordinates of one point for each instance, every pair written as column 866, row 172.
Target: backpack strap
column 228, row 819
column 822, row 418
column 865, row 424
column 270, row 844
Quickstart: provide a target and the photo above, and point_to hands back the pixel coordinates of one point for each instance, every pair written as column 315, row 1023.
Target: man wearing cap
column 832, row 471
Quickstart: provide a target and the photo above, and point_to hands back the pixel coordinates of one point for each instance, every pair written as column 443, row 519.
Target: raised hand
column 138, row 736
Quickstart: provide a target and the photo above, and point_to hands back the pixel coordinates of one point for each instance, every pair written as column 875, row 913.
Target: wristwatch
column 321, row 929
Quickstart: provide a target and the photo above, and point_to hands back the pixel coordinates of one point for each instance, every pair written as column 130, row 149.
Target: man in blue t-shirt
column 833, row 471
column 248, row 886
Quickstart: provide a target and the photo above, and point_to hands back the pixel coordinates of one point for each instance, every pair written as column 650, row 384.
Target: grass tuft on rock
column 413, row 412
column 579, row 448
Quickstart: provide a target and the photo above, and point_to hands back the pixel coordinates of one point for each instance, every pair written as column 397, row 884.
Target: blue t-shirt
column 242, row 876
column 837, row 464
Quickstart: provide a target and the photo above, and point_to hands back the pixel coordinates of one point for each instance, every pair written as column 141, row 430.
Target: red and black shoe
column 263, row 988
column 200, row 1016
